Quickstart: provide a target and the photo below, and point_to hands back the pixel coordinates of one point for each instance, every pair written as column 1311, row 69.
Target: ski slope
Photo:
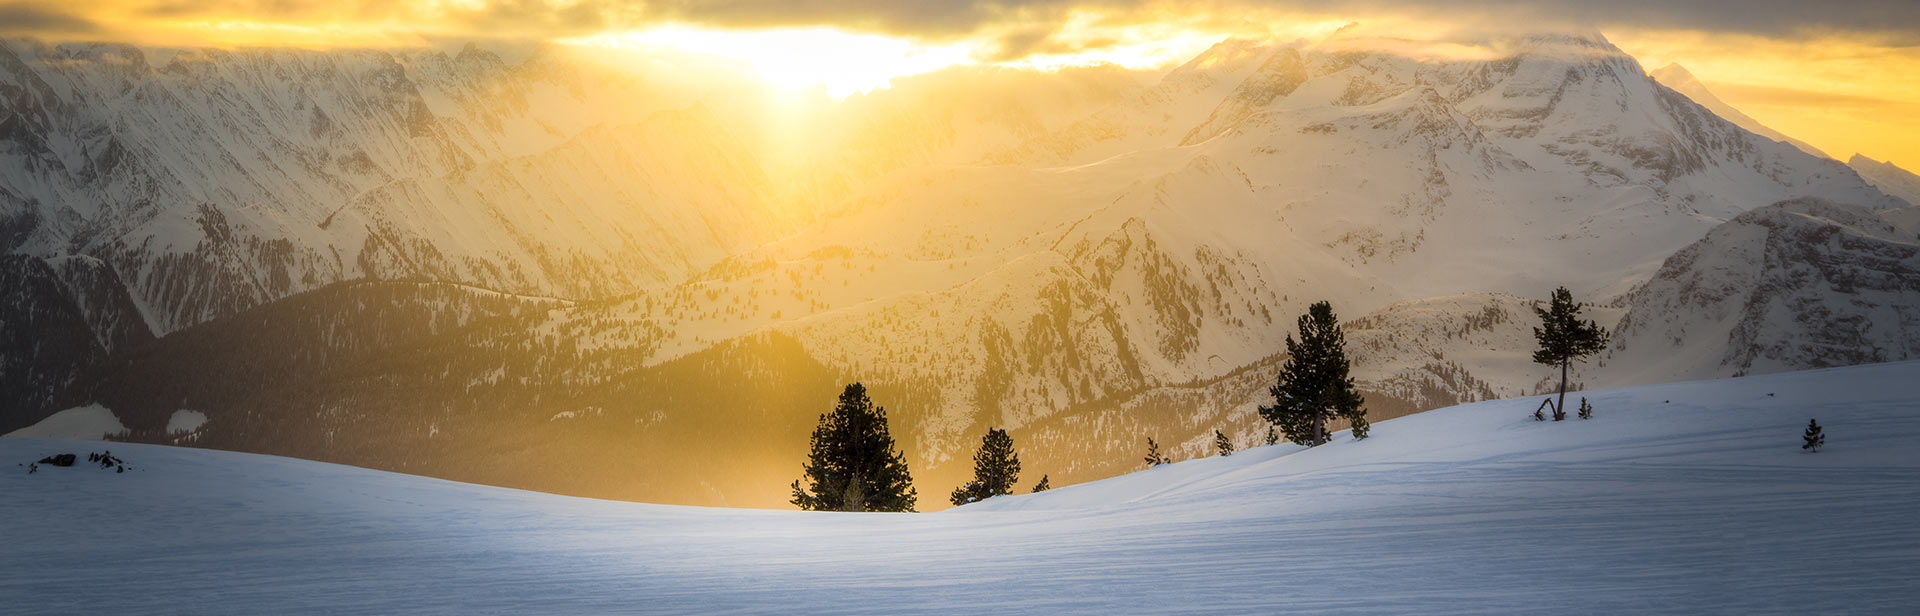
column 1678, row 498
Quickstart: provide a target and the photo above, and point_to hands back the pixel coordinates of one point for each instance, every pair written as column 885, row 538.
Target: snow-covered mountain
column 1799, row 284
column 1887, row 177
column 1683, row 498
column 1161, row 247
column 211, row 180
column 1680, row 80
column 1108, row 262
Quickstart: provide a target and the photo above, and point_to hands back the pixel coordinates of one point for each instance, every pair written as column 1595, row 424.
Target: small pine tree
column 1314, row 386
column 1154, row 457
column 1042, row 486
column 1360, row 427
column 1565, row 339
column 995, row 469
column 1586, row 410
column 1272, row 436
column 1813, row 437
column 1221, row 443
column 853, row 465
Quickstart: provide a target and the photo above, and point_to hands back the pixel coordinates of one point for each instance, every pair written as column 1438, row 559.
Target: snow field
column 1679, row 498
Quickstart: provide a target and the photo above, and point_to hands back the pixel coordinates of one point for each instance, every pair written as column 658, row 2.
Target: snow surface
column 87, row 423
column 1677, row 498
column 185, row 421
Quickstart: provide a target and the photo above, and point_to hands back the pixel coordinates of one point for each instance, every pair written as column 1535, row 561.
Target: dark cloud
column 951, row 17
column 1021, row 26
column 29, row 19
column 1768, row 17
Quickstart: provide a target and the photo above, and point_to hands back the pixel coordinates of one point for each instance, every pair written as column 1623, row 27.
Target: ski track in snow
column 1679, row 498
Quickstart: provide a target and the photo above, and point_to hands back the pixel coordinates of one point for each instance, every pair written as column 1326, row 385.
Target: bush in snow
column 1813, row 437
column 1042, row 486
column 1586, row 410
column 1154, row 457
column 1221, row 443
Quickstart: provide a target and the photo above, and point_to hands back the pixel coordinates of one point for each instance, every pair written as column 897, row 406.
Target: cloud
column 1018, row 26
column 30, row 19
column 1796, row 97
column 1900, row 18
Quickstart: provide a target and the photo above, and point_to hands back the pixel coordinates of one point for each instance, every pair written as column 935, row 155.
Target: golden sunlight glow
column 246, row 33
column 841, row 63
column 1841, row 94
column 1136, row 46
column 1844, row 91
column 1167, row 39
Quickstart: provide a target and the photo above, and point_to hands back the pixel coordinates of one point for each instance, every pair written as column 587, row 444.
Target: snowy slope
column 1462, row 348
column 1679, row 498
column 1888, row 177
column 1798, row 284
column 1682, row 81
column 87, row 423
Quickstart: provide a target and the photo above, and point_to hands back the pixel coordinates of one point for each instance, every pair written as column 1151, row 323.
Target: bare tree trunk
column 856, row 495
column 1319, row 427
column 1560, row 408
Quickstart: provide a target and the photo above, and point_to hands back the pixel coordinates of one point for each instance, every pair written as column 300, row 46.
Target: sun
column 840, row 63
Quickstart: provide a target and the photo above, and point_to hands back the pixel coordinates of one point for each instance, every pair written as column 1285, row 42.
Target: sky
column 1839, row 75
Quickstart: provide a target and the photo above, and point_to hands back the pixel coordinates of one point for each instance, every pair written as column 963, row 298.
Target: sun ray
column 840, row 63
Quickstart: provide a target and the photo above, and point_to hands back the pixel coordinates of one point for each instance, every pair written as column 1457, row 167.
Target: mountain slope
column 204, row 177
column 1798, row 284
column 1679, row 498
column 1888, row 177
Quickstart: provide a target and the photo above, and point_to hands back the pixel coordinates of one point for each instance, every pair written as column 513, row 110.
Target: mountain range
column 532, row 273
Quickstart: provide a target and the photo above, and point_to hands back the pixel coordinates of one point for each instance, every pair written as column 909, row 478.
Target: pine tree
column 853, row 465
column 1154, row 457
column 1042, row 486
column 1565, row 339
column 1272, row 437
column 995, row 469
column 1586, row 410
column 1314, row 387
column 1813, row 437
column 1221, row 443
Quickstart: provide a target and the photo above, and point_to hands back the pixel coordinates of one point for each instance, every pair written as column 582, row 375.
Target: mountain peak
column 1673, row 75
column 1887, row 177
column 1678, row 79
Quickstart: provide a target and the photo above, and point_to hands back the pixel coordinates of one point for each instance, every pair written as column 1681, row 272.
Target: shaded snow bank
column 82, row 423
